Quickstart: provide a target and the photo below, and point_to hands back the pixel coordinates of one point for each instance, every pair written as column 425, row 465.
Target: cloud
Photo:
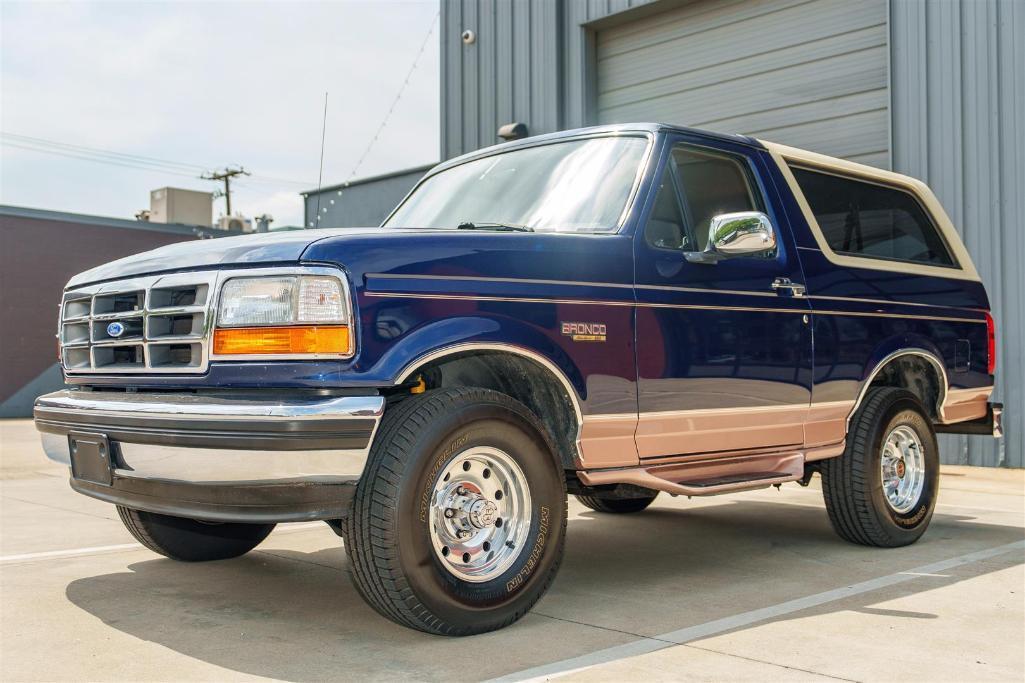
column 211, row 84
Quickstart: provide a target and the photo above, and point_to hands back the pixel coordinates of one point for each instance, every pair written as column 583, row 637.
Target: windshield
column 572, row 186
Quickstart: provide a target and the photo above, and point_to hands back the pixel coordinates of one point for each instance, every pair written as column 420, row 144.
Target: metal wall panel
column 511, row 72
column 363, row 203
column 581, row 19
column 958, row 106
column 808, row 74
column 955, row 112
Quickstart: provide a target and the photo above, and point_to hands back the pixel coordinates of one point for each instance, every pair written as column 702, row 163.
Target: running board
column 707, row 477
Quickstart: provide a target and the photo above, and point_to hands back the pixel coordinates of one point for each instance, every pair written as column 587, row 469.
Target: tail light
column 991, row 345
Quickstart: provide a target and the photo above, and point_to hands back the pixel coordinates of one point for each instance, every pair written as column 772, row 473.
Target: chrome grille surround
column 168, row 322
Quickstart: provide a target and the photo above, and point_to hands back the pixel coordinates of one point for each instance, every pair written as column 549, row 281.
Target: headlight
column 283, row 315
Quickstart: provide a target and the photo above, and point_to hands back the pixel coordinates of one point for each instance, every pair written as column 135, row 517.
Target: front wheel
column 882, row 491
column 458, row 522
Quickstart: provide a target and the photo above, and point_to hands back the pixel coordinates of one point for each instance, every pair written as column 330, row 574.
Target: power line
column 111, row 157
column 109, row 162
column 54, row 144
column 398, row 96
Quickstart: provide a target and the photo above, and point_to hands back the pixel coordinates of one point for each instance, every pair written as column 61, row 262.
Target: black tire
column 388, row 532
column 618, row 505
column 852, row 483
column 189, row 540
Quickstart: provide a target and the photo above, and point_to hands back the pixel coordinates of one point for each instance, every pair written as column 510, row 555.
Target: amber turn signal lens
column 294, row 339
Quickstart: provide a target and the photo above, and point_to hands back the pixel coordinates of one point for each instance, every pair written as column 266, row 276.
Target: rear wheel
column 458, row 522
column 190, row 540
column 618, row 505
column 882, row 491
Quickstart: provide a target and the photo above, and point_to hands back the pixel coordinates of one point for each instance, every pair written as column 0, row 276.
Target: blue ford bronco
column 611, row 312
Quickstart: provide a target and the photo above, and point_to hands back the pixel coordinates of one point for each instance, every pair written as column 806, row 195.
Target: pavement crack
column 604, row 628
column 763, row 661
column 58, row 507
column 296, row 559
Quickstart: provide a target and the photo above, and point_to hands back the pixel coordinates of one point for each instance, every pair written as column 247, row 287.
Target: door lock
column 784, row 286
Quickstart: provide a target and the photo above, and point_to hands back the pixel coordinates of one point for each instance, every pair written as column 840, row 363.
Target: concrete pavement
column 753, row 586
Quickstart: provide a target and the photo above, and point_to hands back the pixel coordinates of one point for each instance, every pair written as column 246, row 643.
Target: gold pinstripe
column 658, row 288
column 644, row 304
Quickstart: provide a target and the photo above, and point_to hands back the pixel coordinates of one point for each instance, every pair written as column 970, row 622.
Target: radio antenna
column 320, row 174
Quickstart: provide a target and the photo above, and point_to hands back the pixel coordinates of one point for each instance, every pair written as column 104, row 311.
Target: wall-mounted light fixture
column 513, row 131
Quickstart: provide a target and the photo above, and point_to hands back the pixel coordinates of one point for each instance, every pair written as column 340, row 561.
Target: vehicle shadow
column 293, row 615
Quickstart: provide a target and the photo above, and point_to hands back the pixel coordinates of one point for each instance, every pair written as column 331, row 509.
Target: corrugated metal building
column 935, row 89
column 360, row 203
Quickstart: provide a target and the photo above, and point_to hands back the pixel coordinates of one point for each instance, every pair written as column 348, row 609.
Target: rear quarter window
column 870, row 220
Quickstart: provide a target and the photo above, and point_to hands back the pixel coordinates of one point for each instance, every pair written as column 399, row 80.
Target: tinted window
column 864, row 219
column 666, row 228
column 696, row 186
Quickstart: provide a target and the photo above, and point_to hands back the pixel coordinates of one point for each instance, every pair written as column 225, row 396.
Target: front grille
column 162, row 326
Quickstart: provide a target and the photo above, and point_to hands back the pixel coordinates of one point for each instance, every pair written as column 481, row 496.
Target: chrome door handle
column 785, row 287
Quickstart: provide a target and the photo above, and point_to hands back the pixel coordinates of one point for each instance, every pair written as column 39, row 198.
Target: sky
column 203, row 85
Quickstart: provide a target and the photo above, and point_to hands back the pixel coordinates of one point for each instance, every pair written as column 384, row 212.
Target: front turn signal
column 285, row 340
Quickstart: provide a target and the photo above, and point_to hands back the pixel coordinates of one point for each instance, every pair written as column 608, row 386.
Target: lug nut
column 461, row 491
column 450, row 513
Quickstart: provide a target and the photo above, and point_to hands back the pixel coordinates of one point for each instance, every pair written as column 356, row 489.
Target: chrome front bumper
column 215, row 458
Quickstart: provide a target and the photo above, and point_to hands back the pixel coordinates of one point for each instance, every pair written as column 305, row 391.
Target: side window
column 697, row 185
column 666, row 229
column 861, row 218
column 713, row 183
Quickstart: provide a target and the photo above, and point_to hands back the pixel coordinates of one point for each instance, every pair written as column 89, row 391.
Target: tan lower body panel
column 966, row 404
column 626, row 439
column 703, row 431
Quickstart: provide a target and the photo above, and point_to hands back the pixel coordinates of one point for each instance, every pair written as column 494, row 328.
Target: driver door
column 723, row 358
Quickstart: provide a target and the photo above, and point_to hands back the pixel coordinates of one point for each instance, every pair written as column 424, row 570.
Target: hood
column 283, row 247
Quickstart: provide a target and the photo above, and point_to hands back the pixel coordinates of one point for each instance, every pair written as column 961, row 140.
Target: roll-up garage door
column 808, row 73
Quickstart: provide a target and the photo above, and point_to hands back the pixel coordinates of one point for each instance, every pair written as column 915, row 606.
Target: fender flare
column 929, row 356
column 462, row 347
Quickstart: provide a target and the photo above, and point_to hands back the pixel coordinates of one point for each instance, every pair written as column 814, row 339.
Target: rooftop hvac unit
column 175, row 205
column 235, row 224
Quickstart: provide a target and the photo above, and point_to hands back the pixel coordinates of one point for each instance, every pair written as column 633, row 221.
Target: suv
column 610, row 312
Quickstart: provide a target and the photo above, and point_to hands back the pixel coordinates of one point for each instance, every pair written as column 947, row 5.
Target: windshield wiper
column 502, row 227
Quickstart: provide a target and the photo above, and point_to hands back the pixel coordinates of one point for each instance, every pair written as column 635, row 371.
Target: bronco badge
column 590, row 332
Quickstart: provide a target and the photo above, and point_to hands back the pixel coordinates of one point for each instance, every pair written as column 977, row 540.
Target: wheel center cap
column 900, row 469
column 483, row 513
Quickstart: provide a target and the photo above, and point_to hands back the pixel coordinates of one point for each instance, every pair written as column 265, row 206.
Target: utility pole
column 226, row 175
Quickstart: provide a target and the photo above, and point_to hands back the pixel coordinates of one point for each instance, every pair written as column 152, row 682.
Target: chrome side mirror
column 736, row 234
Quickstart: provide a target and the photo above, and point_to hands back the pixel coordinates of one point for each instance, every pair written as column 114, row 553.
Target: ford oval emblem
column 115, row 329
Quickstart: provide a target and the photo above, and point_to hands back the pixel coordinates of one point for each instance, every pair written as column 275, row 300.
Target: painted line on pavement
column 949, row 506
column 711, row 628
column 74, row 552
column 103, row 549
